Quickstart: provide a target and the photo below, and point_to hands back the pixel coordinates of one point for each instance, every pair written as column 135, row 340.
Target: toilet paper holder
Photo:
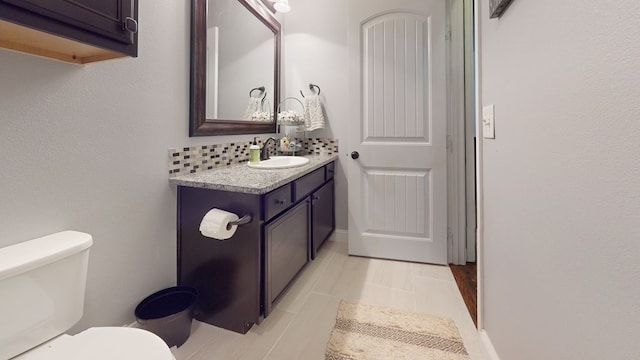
column 243, row 220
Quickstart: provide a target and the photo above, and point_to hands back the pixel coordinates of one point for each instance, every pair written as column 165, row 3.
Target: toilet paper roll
column 215, row 224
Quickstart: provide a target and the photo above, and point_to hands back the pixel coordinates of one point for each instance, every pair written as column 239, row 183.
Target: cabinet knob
column 280, row 202
column 130, row 24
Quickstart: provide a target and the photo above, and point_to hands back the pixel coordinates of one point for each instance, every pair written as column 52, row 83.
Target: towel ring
column 312, row 87
column 261, row 89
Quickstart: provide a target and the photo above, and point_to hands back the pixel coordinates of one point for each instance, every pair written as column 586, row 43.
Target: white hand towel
column 253, row 106
column 313, row 116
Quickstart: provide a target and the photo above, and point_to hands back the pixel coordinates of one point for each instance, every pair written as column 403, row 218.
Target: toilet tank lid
column 25, row 256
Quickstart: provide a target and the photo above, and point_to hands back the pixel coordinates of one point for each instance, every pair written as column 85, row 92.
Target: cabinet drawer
column 306, row 184
column 330, row 170
column 277, row 201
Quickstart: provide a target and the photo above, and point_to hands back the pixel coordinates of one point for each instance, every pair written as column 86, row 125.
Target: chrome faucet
column 264, row 153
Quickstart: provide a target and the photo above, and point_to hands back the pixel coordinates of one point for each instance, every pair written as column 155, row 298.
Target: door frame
column 474, row 170
column 461, row 195
column 470, row 129
column 479, row 176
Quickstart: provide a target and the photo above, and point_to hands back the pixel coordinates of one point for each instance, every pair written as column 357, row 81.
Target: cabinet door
column 103, row 17
column 286, row 251
column 323, row 215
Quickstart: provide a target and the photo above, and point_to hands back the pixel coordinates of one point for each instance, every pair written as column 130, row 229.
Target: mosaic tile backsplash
column 189, row 160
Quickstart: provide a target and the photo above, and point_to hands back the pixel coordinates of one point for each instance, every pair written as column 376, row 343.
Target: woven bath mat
column 370, row 332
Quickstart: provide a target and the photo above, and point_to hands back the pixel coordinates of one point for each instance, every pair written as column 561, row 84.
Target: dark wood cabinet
column 240, row 280
column 226, row 273
column 286, row 251
column 78, row 31
column 322, row 215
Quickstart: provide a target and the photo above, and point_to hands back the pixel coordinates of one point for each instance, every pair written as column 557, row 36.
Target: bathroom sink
column 280, row 162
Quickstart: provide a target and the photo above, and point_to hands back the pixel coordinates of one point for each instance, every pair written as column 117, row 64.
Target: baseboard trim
column 341, row 235
column 488, row 346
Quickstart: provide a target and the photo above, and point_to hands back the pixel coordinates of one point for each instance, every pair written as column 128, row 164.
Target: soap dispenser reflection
column 254, row 152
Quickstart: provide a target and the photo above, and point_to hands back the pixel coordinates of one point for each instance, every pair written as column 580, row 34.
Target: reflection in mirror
column 234, row 68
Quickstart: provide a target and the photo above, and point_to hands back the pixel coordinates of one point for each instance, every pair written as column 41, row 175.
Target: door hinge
column 450, row 144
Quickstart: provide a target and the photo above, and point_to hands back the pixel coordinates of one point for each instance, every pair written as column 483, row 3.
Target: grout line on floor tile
column 413, row 287
column 280, row 337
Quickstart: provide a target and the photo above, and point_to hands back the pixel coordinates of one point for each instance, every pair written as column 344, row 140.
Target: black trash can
column 168, row 313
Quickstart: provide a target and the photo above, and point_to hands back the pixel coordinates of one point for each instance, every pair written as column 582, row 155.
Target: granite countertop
column 242, row 178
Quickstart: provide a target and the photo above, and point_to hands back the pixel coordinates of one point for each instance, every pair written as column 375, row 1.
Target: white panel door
column 397, row 89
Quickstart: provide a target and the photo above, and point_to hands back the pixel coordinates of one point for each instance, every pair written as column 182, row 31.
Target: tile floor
column 301, row 323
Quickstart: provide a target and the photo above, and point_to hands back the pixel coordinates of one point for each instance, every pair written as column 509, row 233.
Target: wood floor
column 467, row 280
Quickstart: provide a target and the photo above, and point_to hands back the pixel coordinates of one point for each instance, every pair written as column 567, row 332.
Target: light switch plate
column 488, row 122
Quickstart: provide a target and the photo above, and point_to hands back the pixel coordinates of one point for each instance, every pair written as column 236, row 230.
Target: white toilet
column 42, row 288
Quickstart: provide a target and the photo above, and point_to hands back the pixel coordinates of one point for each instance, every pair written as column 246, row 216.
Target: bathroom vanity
column 240, row 280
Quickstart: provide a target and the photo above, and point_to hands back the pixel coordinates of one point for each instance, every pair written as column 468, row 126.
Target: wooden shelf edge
column 26, row 40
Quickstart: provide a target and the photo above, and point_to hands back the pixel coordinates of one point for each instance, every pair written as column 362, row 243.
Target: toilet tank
column 42, row 285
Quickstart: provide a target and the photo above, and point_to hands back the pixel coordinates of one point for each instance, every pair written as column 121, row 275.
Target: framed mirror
column 235, row 68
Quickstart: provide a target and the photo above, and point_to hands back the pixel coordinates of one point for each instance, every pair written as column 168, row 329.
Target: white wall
column 562, row 179
column 315, row 51
column 85, row 148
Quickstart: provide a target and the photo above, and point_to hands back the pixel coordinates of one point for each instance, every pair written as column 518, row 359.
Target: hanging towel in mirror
column 313, row 116
column 255, row 105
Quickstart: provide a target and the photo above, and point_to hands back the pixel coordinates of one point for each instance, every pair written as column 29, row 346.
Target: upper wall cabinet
column 78, row 31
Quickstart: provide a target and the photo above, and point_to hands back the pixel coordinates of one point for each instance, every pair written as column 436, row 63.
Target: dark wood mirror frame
column 199, row 125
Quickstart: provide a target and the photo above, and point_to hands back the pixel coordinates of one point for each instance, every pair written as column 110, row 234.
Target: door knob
column 355, row 155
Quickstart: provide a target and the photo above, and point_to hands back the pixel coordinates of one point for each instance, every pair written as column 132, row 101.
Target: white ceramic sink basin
column 280, row 162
